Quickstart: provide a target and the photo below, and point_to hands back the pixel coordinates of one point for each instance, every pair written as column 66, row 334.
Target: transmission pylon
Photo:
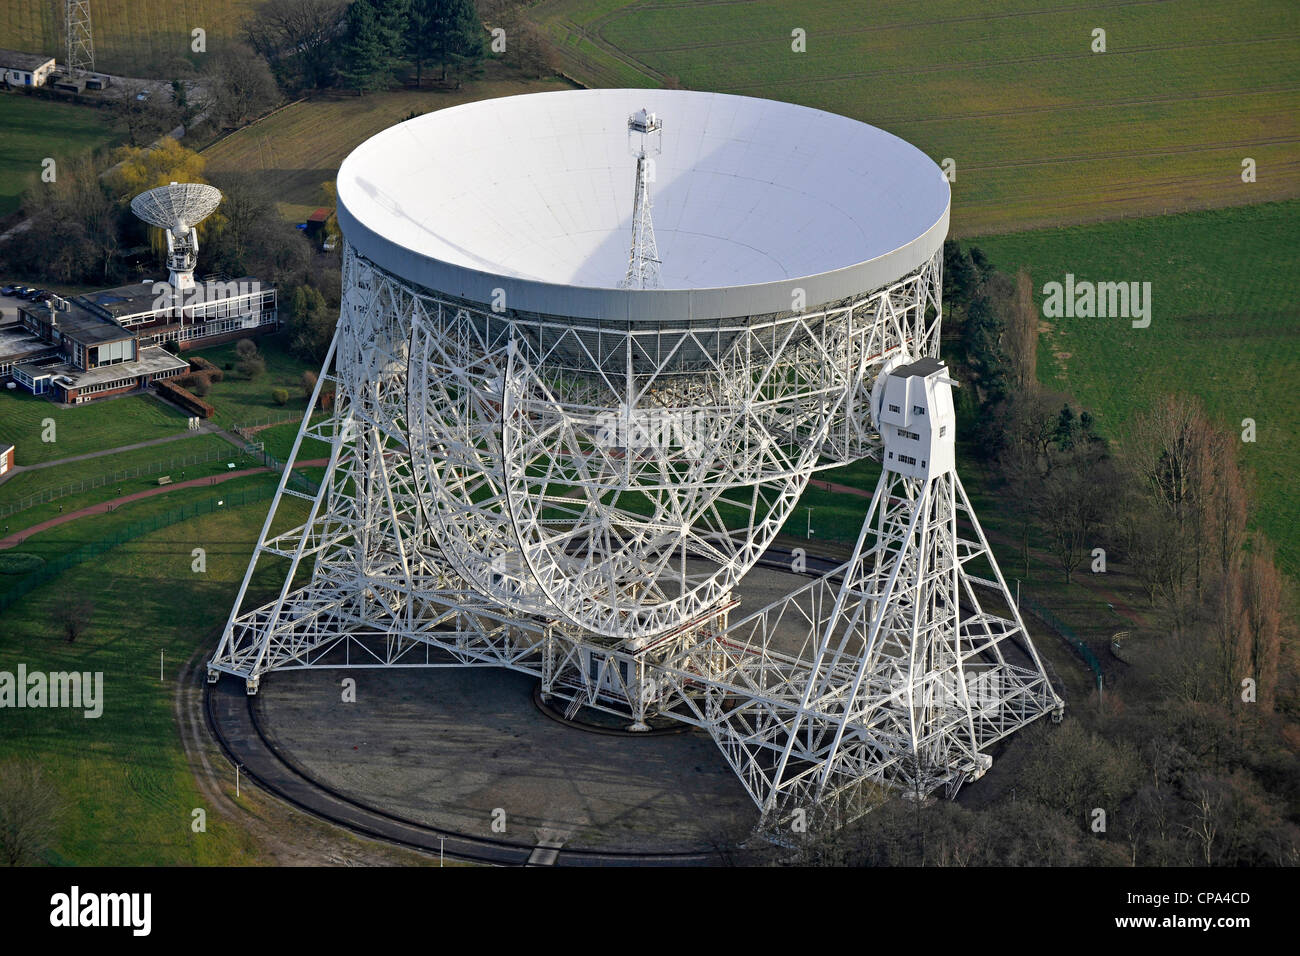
column 81, row 44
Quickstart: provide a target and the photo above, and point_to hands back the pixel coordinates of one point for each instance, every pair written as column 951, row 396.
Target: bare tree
column 1207, row 801
column 74, row 617
column 297, row 38
column 527, row 48
column 1172, row 450
column 1028, row 421
column 240, row 86
column 1231, row 636
column 1021, row 335
column 29, row 810
column 1073, row 506
column 1262, row 597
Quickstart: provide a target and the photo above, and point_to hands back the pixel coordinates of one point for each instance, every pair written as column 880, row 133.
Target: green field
column 1043, row 131
column 134, row 37
column 35, row 129
column 278, row 441
column 170, row 456
column 81, row 429
column 302, row 146
column 127, row 790
column 1225, row 326
column 55, row 542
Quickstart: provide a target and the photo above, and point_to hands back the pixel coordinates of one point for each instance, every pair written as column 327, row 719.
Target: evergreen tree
column 1065, row 428
column 366, row 63
column 420, row 34
column 456, row 34
column 393, row 17
column 959, row 276
column 982, row 337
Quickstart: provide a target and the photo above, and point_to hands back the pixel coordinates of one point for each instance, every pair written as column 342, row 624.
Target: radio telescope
column 178, row 208
column 541, row 460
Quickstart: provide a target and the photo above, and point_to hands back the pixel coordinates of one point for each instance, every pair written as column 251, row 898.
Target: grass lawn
column 108, row 423
column 278, row 441
column 240, row 401
column 35, row 129
column 171, row 457
column 1043, row 130
column 127, row 789
column 1225, row 326
column 55, row 542
column 302, row 146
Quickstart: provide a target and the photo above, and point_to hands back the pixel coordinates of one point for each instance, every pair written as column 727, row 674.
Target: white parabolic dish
column 534, row 195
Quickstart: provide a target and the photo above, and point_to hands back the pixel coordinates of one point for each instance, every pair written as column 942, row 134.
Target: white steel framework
column 578, row 499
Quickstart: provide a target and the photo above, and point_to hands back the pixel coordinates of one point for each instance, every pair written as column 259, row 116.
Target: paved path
column 18, row 537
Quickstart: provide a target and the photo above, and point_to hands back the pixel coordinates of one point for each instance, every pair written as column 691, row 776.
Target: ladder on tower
column 575, row 705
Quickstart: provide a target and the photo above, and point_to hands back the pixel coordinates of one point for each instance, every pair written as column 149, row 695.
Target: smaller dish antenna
column 178, row 208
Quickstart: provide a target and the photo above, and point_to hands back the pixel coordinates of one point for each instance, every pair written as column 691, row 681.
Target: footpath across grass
column 168, row 459
column 62, row 539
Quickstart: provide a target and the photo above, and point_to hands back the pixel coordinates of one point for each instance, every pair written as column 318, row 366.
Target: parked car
column 27, row 292
column 42, row 295
column 10, row 289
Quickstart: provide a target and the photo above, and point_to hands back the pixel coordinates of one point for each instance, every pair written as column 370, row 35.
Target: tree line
column 368, row 45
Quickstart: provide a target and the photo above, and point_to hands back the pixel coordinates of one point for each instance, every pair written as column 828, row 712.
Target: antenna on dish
column 643, row 133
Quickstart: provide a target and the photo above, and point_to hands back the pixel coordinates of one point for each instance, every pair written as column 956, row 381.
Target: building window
column 943, row 430
column 907, row 459
column 918, row 409
column 894, row 408
column 904, row 433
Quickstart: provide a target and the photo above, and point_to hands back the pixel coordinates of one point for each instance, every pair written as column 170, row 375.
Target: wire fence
column 132, row 531
column 162, row 467
column 296, row 479
column 246, row 430
column 1066, row 633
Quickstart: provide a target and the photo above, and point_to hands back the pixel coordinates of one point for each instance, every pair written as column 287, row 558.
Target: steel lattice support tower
column 903, row 679
column 80, row 43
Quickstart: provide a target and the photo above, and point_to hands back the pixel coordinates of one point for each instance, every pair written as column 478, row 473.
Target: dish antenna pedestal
column 178, row 208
